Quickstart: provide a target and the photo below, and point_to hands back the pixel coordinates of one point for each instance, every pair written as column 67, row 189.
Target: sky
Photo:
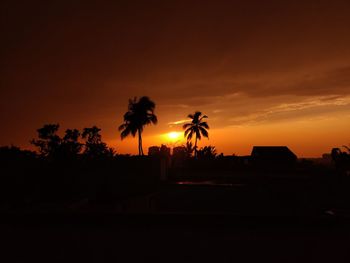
column 265, row 72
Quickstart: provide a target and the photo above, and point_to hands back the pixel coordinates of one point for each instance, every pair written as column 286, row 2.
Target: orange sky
column 265, row 72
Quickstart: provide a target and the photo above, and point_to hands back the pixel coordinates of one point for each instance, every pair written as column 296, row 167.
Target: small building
column 273, row 157
column 179, row 156
column 153, row 151
column 162, row 154
column 162, row 151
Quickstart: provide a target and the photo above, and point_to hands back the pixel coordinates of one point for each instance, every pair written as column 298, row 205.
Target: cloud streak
column 306, row 108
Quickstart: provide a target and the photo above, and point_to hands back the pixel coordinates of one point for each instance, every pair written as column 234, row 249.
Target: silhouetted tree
column 341, row 160
column 94, row 147
column 48, row 142
column 12, row 153
column 70, row 145
column 185, row 151
column 140, row 113
column 207, row 152
column 54, row 147
column 196, row 127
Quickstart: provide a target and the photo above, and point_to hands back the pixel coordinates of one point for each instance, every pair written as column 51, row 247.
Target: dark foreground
column 97, row 237
column 274, row 222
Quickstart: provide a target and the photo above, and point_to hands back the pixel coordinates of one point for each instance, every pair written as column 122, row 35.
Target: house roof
column 274, row 152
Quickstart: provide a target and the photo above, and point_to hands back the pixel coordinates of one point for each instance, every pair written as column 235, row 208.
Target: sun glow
column 173, row 136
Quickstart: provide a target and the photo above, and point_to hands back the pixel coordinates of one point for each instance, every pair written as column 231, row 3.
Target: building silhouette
column 273, row 157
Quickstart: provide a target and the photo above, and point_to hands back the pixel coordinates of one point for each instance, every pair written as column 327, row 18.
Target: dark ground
column 248, row 219
column 173, row 238
column 185, row 223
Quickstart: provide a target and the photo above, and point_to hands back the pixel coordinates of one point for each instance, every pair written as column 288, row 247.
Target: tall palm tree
column 140, row 113
column 196, row 127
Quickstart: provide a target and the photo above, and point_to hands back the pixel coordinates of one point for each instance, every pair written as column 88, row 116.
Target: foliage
column 207, row 152
column 196, row 127
column 51, row 146
column 140, row 113
column 8, row 153
column 94, row 147
column 184, row 151
column 341, row 159
column 48, row 142
column 70, row 144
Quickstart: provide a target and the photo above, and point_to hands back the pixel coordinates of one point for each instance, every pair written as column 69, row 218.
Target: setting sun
column 174, row 135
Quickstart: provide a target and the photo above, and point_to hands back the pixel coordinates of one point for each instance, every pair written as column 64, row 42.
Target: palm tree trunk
column 140, row 143
column 195, row 147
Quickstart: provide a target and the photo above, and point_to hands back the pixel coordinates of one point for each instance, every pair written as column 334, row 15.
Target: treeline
column 74, row 144
column 88, row 145
column 342, row 159
column 75, row 166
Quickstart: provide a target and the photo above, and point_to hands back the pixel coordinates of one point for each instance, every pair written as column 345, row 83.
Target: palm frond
column 197, row 114
column 186, row 125
column 125, row 133
column 187, row 131
column 203, row 117
column 133, row 132
column 191, row 116
column 153, row 118
column 145, row 102
column 203, row 131
column 122, row 127
column 189, row 136
column 204, row 125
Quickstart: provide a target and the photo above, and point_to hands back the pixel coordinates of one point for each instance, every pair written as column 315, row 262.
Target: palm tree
column 197, row 126
column 140, row 113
